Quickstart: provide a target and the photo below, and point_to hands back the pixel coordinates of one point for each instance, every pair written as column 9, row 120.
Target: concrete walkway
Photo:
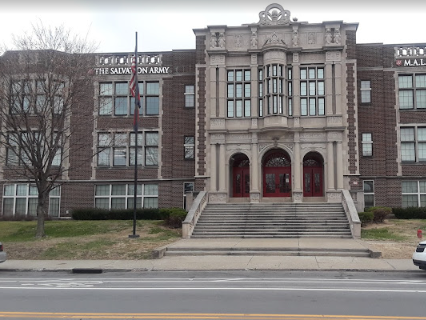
column 231, row 262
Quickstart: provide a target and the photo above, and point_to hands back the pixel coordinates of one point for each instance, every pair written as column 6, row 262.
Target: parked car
column 3, row 255
column 419, row 256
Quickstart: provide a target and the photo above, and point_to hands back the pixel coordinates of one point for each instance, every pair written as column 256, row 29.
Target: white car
column 419, row 256
column 3, row 255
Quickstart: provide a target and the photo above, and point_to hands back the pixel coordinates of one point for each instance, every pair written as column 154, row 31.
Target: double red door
column 277, row 181
column 241, row 181
column 312, row 182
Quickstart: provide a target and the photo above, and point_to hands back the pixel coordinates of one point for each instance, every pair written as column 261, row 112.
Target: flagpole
column 136, row 129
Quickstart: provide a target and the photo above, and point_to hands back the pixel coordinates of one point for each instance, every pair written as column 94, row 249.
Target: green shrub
column 115, row 214
column 380, row 213
column 365, row 217
column 173, row 217
column 410, row 213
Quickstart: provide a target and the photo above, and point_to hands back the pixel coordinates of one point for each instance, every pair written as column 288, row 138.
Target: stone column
column 222, row 166
column 213, row 166
column 330, row 166
column 339, row 165
column 297, row 168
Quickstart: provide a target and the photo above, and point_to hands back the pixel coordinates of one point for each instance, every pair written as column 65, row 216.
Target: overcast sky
column 167, row 24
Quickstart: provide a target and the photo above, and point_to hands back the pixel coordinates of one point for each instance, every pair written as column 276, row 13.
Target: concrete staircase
column 278, row 220
column 284, row 229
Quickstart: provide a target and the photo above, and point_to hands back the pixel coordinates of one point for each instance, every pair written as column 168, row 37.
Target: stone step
column 265, row 252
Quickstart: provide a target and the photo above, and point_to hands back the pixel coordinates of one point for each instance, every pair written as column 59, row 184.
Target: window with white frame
column 273, row 89
column 413, row 194
column 21, row 200
column 115, row 98
column 367, row 145
column 290, row 91
column 413, row 144
column 121, row 196
column 238, row 93
column 312, row 91
column 368, row 188
column 365, row 91
column 189, row 146
column 189, row 96
column 412, row 91
column 118, row 149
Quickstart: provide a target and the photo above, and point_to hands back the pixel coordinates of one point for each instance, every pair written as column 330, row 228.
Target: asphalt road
column 212, row 295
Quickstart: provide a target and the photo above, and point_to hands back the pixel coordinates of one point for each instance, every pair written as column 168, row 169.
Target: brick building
column 275, row 111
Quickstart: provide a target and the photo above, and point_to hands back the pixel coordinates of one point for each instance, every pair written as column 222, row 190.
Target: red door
column 241, row 182
column 277, row 181
column 312, row 182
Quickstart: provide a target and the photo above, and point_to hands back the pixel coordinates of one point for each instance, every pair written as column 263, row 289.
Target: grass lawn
column 71, row 239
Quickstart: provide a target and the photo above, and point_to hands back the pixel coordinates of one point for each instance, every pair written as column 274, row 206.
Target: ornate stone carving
column 221, row 40
column 239, row 137
column 263, row 146
column 253, row 40
column 238, row 147
column 313, row 146
column 254, row 197
column 335, row 136
column 217, row 197
column 333, row 56
column 312, row 38
column 217, row 123
column 328, row 37
column 253, row 59
column 213, row 40
column 288, row 146
column 317, row 136
column 295, row 37
column 274, row 40
column 274, row 14
column 334, row 196
column 337, row 36
column 297, row 196
column 217, row 59
column 217, row 137
column 295, row 57
column 238, row 41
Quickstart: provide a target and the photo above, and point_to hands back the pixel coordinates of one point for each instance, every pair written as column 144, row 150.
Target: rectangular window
column 312, row 91
column 413, row 144
column 189, row 96
column 368, row 187
column 412, row 91
column 121, row 196
column 119, row 149
column 115, row 98
column 189, row 146
column 21, row 200
column 238, row 93
column 365, row 91
column 367, row 145
column 413, row 194
column 36, row 96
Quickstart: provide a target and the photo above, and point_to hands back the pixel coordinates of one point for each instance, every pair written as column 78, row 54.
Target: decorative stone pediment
column 273, row 15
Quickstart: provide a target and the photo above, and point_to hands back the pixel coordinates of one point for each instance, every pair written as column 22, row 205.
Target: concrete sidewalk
column 303, row 258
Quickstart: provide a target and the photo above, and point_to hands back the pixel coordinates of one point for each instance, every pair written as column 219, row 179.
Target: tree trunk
column 41, row 213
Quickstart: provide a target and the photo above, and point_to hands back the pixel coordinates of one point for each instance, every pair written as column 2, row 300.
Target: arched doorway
column 241, row 176
column 276, row 174
column 313, row 173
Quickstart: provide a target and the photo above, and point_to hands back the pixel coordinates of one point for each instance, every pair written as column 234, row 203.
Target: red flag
column 134, row 90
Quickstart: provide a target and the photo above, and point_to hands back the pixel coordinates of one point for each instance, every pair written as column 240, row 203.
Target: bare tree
column 46, row 74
